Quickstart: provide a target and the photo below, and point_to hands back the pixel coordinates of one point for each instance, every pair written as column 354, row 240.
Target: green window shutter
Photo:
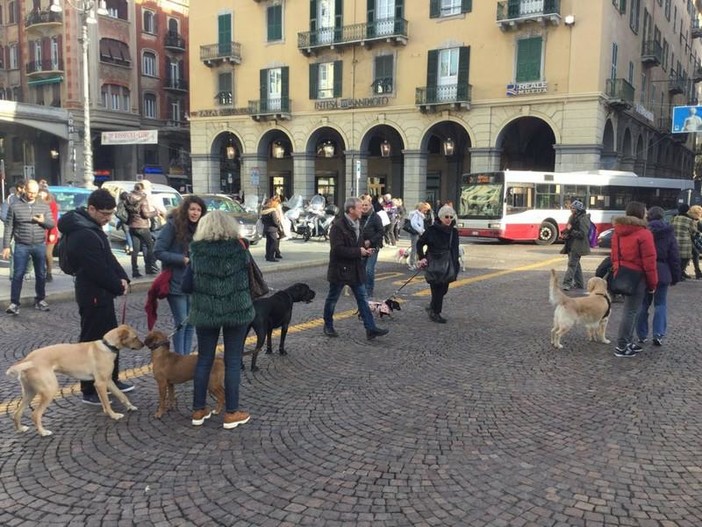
column 383, row 74
column 313, row 15
column 434, row 8
column 463, row 71
column 432, row 68
column 370, row 8
column 275, row 22
column 466, row 6
column 399, row 14
column 263, row 86
column 225, row 82
column 224, row 32
column 529, row 59
column 338, row 19
column 314, row 80
column 338, row 77
column 285, row 88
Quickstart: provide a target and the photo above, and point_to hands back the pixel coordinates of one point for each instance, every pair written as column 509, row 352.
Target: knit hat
column 655, row 213
column 683, row 208
column 577, row 205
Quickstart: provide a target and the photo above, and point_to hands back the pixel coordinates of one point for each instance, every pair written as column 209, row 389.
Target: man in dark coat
column 99, row 277
column 347, row 267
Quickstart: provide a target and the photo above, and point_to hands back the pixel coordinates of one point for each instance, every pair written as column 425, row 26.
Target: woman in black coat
column 441, row 240
column 271, row 229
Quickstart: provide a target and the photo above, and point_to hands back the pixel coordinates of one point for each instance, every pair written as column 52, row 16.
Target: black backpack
column 65, row 263
column 122, row 214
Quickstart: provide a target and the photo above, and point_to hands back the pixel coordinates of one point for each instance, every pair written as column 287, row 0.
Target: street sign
column 255, row 177
column 130, row 137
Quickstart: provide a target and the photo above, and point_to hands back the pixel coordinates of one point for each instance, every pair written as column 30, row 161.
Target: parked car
column 69, row 198
column 249, row 228
column 166, row 196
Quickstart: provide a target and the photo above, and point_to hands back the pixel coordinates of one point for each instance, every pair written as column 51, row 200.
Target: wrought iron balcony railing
column 652, row 53
column 176, row 84
column 42, row 17
column 696, row 29
column 48, row 65
column 619, row 90
column 447, row 94
column 278, row 107
column 174, row 41
column 514, row 11
column 393, row 29
column 213, row 54
column 677, row 84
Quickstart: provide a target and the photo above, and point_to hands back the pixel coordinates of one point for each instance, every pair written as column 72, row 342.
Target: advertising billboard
column 687, row 119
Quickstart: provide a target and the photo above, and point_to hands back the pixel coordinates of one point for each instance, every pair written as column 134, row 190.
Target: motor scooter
column 317, row 219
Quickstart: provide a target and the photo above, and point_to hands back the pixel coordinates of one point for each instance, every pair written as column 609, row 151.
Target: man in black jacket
column 347, row 267
column 28, row 219
column 99, row 277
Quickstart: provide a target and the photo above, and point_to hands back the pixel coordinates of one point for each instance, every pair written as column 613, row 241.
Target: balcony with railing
column 48, row 66
column 652, row 53
column 35, row 19
column 268, row 109
column 513, row 13
column 430, row 97
column 697, row 73
column 174, row 41
column 223, row 52
column 392, row 30
column 677, row 84
column 176, row 85
column 620, row 92
column 696, row 29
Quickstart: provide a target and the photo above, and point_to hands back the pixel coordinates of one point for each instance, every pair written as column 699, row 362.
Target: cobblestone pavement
column 474, row 423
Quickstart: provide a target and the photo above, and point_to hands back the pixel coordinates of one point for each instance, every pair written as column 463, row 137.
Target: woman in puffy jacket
column 633, row 247
column 668, row 267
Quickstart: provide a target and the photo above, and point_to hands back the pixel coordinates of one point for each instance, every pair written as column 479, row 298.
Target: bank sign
column 687, row 119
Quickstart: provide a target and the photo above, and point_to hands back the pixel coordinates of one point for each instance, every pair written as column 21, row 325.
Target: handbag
column 625, row 280
column 407, row 226
column 257, row 285
column 697, row 241
column 441, row 268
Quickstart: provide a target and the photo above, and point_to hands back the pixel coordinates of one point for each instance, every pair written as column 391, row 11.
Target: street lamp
column 87, row 10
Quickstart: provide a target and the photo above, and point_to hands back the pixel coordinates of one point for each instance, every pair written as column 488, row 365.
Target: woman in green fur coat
column 221, row 303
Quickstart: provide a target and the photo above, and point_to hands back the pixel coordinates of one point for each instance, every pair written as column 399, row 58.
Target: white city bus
column 519, row 205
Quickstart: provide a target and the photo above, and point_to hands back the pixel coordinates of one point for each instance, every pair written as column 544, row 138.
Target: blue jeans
column 207, row 339
column 632, row 304
column 414, row 238
column 660, row 313
column 183, row 338
column 371, row 261
column 359, row 292
column 37, row 251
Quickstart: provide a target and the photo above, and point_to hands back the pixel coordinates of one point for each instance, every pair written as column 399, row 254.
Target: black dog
column 273, row 312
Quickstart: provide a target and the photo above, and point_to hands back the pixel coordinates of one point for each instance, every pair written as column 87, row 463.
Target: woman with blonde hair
column 418, row 221
column 221, row 303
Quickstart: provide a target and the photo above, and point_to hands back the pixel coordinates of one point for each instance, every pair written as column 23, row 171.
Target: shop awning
column 48, row 80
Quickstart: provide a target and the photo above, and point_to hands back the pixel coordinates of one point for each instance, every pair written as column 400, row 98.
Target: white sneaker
column 42, row 305
column 12, row 309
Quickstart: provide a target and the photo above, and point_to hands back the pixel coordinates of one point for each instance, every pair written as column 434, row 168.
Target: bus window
column 481, row 200
column 573, row 192
column 519, row 199
column 597, row 199
column 548, row 196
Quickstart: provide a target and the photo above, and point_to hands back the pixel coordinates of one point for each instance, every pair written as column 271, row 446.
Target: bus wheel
column 548, row 233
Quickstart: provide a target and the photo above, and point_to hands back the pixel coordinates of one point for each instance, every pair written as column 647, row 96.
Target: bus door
column 519, row 197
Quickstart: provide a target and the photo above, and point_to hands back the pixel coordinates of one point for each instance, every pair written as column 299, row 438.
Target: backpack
column 592, row 235
column 65, row 264
column 121, row 212
column 132, row 208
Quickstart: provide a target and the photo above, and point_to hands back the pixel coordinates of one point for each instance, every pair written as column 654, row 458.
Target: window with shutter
column 275, row 22
column 325, row 80
column 224, row 87
column 224, row 34
column 383, row 74
column 529, row 59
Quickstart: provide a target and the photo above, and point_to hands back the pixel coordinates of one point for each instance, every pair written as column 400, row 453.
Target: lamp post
column 87, row 10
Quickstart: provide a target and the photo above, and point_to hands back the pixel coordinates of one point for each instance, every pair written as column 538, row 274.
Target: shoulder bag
column 407, row 227
column 441, row 268
column 257, row 285
column 626, row 280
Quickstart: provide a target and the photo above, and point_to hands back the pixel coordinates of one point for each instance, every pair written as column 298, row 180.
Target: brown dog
column 592, row 311
column 84, row 360
column 171, row 368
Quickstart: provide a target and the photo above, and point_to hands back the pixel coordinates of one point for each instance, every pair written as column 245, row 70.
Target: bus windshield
column 481, row 196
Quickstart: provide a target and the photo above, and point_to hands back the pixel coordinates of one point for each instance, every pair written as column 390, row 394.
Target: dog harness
column 609, row 305
column 112, row 347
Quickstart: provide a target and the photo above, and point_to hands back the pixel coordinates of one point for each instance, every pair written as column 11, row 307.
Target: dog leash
column 124, row 306
column 419, row 270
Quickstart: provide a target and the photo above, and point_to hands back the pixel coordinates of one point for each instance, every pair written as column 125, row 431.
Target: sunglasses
column 449, row 217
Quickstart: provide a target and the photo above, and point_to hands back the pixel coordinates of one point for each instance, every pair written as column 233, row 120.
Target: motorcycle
column 317, row 219
column 293, row 212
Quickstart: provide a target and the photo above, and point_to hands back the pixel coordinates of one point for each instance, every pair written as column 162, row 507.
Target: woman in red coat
column 51, row 234
column 633, row 247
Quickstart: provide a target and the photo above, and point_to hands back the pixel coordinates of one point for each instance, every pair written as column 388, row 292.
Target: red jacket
column 638, row 250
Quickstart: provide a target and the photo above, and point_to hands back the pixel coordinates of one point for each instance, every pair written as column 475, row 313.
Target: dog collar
column 111, row 346
column 157, row 345
column 609, row 304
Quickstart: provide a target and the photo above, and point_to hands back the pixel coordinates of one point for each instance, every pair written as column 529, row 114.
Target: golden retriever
column 87, row 361
column 592, row 311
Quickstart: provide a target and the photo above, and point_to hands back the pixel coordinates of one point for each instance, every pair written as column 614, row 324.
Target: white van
column 165, row 196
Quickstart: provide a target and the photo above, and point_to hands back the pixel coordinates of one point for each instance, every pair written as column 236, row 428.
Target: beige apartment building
column 342, row 96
